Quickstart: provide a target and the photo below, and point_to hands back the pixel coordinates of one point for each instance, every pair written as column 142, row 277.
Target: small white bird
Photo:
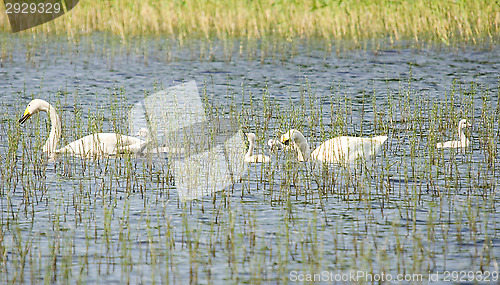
column 463, row 142
column 250, row 157
column 274, row 144
column 91, row 146
column 343, row 149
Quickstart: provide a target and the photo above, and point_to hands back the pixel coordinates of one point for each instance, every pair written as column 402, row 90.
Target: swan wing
column 371, row 146
column 101, row 144
column 332, row 150
column 365, row 148
column 347, row 149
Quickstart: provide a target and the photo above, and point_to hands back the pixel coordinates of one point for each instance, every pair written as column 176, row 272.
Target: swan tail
column 380, row 139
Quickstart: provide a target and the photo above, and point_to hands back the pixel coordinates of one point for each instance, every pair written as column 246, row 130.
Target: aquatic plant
column 415, row 209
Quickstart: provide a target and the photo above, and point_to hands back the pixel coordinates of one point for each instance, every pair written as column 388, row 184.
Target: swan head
column 292, row 137
column 271, row 143
column 34, row 107
column 143, row 133
column 463, row 124
column 274, row 144
column 297, row 140
column 251, row 137
column 286, row 138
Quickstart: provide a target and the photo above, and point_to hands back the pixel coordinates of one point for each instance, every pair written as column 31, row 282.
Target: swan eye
column 286, row 142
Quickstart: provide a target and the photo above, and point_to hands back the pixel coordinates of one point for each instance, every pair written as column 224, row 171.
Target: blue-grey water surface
column 405, row 215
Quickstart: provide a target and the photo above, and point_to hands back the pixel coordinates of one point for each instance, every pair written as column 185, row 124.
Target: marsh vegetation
column 327, row 68
column 415, row 209
column 423, row 20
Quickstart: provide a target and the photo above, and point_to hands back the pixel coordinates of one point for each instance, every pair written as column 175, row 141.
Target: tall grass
column 420, row 20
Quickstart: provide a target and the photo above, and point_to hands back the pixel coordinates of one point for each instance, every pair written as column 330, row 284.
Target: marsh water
column 414, row 210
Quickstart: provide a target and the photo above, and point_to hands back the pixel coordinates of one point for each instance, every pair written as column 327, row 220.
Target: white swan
column 336, row 150
column 91, row 146
column 274, row 144
column 463, row 142
column 254, row 158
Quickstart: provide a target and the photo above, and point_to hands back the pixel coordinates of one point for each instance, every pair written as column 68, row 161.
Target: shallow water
column 413, row 210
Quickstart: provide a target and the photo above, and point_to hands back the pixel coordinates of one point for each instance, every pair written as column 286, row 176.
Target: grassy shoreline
column 419, row 20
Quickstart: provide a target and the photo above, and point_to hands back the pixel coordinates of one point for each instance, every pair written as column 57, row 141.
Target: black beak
column 24, row 118
column 287, row 142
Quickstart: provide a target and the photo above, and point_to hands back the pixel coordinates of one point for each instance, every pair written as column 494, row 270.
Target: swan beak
column 25, row 117
column 285, row 141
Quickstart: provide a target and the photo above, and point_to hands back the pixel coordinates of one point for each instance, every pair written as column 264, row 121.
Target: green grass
column 418, row 20
column 411, row 212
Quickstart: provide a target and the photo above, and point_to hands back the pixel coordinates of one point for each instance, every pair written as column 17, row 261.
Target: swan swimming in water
column 463, row 142
column 254, row 158
column 343, row 149
column 91, row 146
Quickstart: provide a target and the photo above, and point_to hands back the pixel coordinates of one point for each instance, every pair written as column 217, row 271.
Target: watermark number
column 31, row 8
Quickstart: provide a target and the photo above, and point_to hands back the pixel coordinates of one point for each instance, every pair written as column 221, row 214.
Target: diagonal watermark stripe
column 213, row 149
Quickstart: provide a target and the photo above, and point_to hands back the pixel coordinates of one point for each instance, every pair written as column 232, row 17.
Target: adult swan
column 336, row 150
column 91, row 146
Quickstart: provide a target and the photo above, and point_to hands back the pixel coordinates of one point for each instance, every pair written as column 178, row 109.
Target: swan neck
column 303, row 149
column 306, row 152
column 250, row 148
column 463, row 138
column 55, row 131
